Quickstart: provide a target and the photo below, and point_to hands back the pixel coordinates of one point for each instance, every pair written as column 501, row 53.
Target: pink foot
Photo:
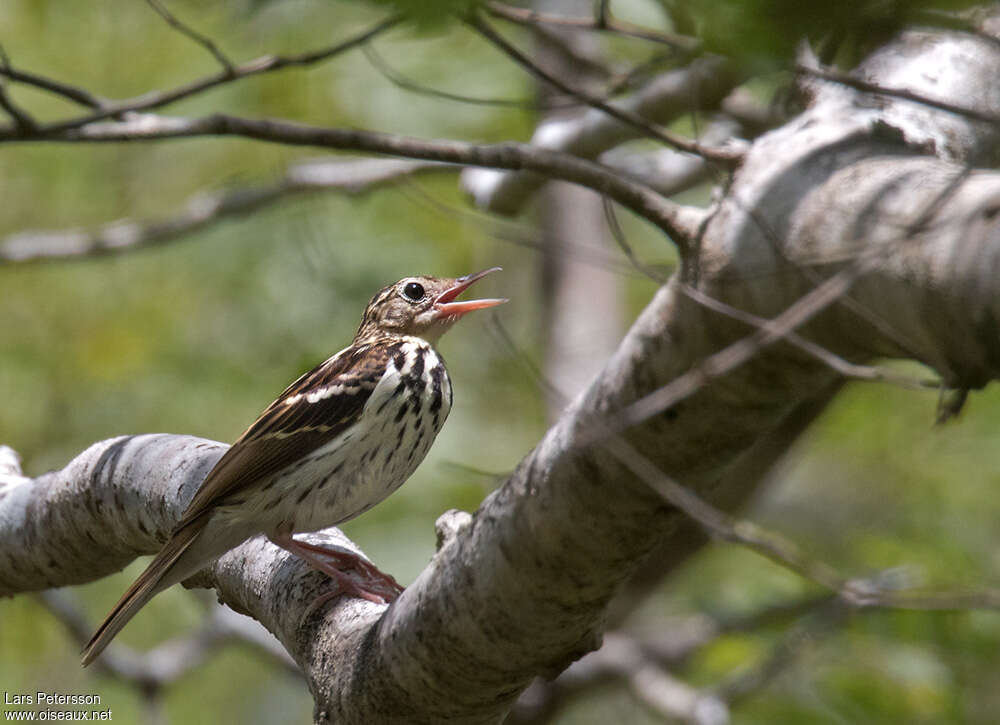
column 376, row 586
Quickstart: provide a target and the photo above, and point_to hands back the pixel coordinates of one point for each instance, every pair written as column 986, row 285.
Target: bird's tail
column 151, row 582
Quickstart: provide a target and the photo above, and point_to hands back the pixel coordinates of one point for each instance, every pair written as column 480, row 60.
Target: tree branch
column 700, row 86
column 207, row 208
column 76, row 94
column 263, row 64
column 205, row 42
column 728, row 158
column 523, row 16
column 678, row 221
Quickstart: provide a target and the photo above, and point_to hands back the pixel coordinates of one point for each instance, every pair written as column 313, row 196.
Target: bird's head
column 421, row 306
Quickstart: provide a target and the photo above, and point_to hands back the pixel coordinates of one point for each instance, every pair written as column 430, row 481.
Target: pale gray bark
column 703, row 85
column 879, row 186
column 345, row 176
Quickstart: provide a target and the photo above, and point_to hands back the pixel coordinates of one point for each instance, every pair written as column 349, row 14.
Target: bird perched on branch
column 338, row 441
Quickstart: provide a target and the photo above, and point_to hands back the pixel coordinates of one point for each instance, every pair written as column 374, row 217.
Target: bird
column 337, row 441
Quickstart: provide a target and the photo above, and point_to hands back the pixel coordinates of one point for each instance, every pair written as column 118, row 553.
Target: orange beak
column 444, row 305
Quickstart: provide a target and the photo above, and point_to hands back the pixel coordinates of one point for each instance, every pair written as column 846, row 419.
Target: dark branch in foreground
column 679, row 222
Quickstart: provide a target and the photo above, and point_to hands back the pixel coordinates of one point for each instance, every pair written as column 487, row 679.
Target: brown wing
column 291, row 427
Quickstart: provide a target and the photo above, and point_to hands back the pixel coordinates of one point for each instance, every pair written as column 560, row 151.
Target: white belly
column 366, row 463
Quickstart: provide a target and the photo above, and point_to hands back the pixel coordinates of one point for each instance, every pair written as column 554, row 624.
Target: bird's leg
column 377, row 587
column 349, row 560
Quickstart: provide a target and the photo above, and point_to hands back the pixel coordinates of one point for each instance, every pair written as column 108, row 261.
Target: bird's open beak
column 446, row 307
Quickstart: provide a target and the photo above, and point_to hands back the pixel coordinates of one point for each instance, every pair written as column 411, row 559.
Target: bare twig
column 166, row 663
column 671, row 172
column 522, row 16
column 408, row 84
column 822, row 296
column 520, row 235
column 723, row 157
column 622, row 658
column 834, row 361
column 789, row 649
column 879, row 591
column 73, row 93
column 667, row 649
column 618, row 234
column 202, row 40
column 263, row 64
column 23, row 122
column 697, row 87
column 677, row 220
column 70, row 92
column 401, row 81
column 721, row 525
column 602, row 13
column 744, row 349
column 204, row 209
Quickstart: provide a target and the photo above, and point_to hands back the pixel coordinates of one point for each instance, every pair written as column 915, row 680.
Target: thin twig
column 622, row 659
column 167, row 662
column 720, row 156
column 910, row 230
column 23, row 121
column 401, row 81
column 618, row 234
column 721, row 525
column 73, row 93
column 822, row 296
column 263, row 64
column 202, row 40
column 834, row 361
column 518, row 234
column 789, row 648
column 744, row 349
column 203, row 209
column 522, row 16
column 879, row 591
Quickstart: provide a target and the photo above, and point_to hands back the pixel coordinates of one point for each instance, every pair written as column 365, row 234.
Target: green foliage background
column 197, row 336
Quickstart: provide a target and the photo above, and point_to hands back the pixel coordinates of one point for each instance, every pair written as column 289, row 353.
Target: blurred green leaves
column 766, row 33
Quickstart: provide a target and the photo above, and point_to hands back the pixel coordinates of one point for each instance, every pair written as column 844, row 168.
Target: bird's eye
column 413, row 291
